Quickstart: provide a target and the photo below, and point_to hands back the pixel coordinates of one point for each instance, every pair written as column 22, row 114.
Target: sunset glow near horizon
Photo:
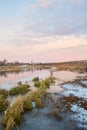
column 43, row 30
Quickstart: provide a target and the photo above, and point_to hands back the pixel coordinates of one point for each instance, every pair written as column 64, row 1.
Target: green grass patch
column 35, row 79
column 20, row 89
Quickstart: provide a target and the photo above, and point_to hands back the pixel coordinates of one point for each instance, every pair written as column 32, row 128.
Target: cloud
column 38, row 26
column 64, row 18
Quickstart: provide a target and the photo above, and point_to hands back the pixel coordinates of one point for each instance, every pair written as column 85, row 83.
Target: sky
column 43, row 30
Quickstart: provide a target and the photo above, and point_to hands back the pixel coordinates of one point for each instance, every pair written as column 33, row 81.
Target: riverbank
column 76, row 66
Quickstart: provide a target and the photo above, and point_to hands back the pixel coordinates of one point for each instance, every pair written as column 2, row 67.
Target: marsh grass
column 37, row 84
column 27, row 103
column 45, row 83
column 14, row 115
column 19, row 89
column 4, row 92
column 3, row 103
column 35, row 79
column 3, row 100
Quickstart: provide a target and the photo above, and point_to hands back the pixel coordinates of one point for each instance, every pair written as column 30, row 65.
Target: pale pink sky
column 43, row 30
column 62, row 48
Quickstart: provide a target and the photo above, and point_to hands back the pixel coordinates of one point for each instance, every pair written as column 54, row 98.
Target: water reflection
column 6, row 73
column 9, row 79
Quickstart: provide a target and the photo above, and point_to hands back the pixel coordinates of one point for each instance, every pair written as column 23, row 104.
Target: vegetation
column 37, row 84
column 27, row 103
column 20, row 89
column 3, row 100
column 35, row 79
column 4, row 92
column 45, row 83
column 3, row 103
column 14, row 115
column 78, row 66
column 39, row 98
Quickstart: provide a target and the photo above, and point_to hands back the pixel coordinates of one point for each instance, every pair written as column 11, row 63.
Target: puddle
column 67, row 75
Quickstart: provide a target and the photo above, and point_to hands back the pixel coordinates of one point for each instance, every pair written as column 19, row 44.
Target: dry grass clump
column 44, row 83
column 3, row 103
column 37, row 97
column 3, row 100
column 27, row 103
column 13, row 116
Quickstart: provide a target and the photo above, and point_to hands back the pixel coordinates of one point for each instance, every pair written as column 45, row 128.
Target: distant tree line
column 5, row 62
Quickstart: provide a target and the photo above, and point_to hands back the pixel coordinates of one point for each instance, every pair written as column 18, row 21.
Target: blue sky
column 50, row 25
